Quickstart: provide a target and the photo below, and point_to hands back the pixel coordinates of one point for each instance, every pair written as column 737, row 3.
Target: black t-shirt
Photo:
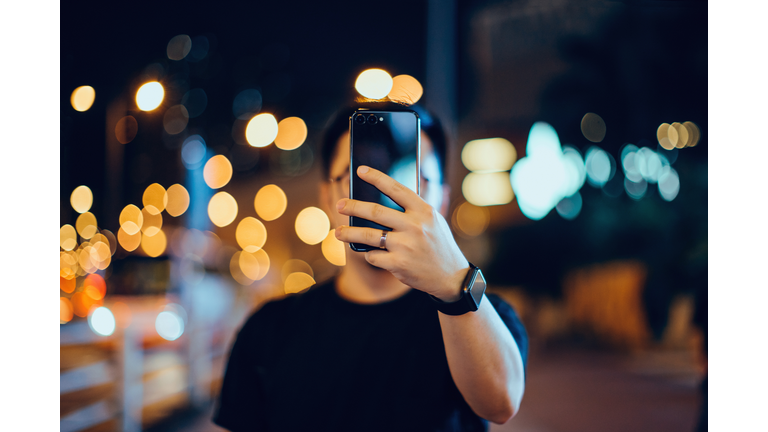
column 315, row 361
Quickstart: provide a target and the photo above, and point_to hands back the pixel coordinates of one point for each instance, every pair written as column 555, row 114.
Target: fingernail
column 340, row 205
column 363, row 169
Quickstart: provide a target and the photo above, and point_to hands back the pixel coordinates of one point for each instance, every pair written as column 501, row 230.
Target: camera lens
column 372, row 119
column 360, row 119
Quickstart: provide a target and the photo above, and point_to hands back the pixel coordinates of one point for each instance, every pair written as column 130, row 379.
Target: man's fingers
column 369, row 236
column 379, row 258
column 400, row 194
column 371, row 211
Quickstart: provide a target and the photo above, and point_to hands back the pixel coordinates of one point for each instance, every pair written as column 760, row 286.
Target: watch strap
column 466, row 303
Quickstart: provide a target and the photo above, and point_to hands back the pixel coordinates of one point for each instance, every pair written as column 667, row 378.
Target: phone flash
column 381, row 118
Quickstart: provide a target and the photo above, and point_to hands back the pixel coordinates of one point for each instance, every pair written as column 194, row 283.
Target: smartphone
column 389, row 141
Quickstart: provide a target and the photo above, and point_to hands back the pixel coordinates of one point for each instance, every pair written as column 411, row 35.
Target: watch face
column 478, row 288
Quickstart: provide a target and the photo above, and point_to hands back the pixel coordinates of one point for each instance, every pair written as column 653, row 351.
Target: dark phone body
column 391, row 145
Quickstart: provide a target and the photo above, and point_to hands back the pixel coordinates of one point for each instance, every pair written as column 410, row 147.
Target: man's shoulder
column 289, row 307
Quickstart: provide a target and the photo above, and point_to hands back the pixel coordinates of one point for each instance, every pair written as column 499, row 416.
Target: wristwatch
column 471, row 294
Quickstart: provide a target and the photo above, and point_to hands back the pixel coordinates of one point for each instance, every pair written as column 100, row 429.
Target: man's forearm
column 485, row 362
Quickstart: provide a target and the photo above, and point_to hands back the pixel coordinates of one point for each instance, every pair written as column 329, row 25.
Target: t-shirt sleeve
column 516, row 327
column 241, row 400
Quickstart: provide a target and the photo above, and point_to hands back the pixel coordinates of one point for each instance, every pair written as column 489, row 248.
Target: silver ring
column 383, row 241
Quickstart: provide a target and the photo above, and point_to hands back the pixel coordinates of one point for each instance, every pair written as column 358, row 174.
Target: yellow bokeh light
column 66, row 310
column 249, row 265
column 471, row 220
column 334, row 250
column 67, row 285
column 593, row 127
column 111, row 240
column 695, row 133
column 152, row 221
column 86, row 225
column 217, row 172
column 178, row 200
column 126, row 129
column 150, row 96
column 682, row 135
column 155, row 198
column 261, row 130
column 178, row 47
column 489, row 155
column 661, row 136
column 67, row 237
column 270, row 202
column 175, row 119
column 251, row 234
column 295, row 266
column 374, row 83
column 312, row 225
column 237, row 272
column 291, row 133
column 82, row 98
column 406, row 89
column 222, row 209
column 131, row 219
column 672, row 135
column 154, row 245
column 298, row 282
column 68, row 266
column 85, row 259
column 263, row 258
column 485, row 189
column 129, row 242
column 81, row 199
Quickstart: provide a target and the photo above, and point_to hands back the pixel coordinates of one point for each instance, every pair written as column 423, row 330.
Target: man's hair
column 339, row 123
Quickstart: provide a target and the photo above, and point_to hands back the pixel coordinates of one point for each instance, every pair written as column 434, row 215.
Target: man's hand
column 421, row 251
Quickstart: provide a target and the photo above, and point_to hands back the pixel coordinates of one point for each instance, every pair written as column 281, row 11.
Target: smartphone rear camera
column 372, row 119
column 360, row 119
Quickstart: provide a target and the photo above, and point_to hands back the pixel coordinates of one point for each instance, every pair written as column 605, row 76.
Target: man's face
column 432, row 190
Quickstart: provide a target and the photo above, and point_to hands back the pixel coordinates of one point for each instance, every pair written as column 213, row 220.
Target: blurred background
column 189, row 168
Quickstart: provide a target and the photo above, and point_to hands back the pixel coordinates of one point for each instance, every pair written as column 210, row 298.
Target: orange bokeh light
column 67, row 285
column 66, row 310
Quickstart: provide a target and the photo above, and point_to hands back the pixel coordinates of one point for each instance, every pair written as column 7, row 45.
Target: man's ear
column 445, row 204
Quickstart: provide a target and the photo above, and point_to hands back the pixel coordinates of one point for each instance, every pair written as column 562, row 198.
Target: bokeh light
column 247, row 103
column 635, row 190
column 154, row 245
column 669, row 183
column 81, row 304
column 67, row 237
column 487, row 189
column 81, row 199
column 489, row 155
column 175, row 119
column 672, row 135
column 270, row 202
column 65, row 307
column 312, row 225
column 131, row 219
column 94, row 286
column 155, row 198
column 295, row 266
column 600, row 167
column 193, row 152
column 129, row 242
column 683, row 136
column 237, row 273
column 661, row 136
column 251, row 234
column 82, row 98
column 222, row 209
column 217, row 172
column 111, row 240
column 298, row 282
column 101, row 321
column 261, row 130
column 178, row 47
column 374, row 83
column 67, row 284
column 471, row 220
column 249, row 265
column 126, row 129
column 695, row 133
column 169, row 325
column 86, row 225
column 68, row 266
column 334, row 250
column 569, row 207
column 178, row 200
column 593, row 127
column 291, row 133
column 152, row 221
column 406, row 90
column 150, row 96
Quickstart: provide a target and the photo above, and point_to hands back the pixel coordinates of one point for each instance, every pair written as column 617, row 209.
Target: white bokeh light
column 600, row 167
column 169, row 325
column 101, row 321
column 669, row 183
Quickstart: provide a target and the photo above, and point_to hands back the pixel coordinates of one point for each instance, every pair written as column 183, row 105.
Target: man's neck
column 359, row 282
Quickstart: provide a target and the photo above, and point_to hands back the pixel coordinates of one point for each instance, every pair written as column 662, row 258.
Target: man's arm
column 421, row 252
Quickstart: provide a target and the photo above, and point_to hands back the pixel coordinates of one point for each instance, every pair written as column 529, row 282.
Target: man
column 370, row 349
